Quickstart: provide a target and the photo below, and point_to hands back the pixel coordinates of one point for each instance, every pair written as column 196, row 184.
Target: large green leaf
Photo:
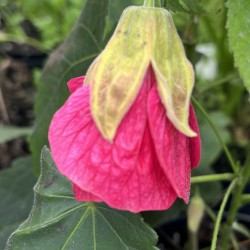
column 239, row 36
column 71, row 59
column 57, row 221
column 187, row 6
column 174, row 5
column 16, row 196
column 211, row 147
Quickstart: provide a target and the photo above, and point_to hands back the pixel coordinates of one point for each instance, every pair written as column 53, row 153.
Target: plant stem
column 149, row 3
column 210, row 212
column 235, row 243
column 209, row 85
column 3, row 108
column 158, row 3
column 152, row 3
column 236, row 202
column 219, row 216
column 234, row 166
column 245, row 199
column 194, row 241
column 213, row 177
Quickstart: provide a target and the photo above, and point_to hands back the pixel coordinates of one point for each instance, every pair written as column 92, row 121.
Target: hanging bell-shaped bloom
column 128, row 135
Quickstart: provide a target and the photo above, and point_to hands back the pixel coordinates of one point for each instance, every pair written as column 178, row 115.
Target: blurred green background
column 31, row 30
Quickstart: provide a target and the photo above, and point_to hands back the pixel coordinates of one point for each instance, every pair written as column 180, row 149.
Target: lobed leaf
column 238, row 25
column 15, row 202
column 58, row 221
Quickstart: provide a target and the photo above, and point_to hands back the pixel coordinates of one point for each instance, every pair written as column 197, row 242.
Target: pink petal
column 125, row 174
column 172, row 147
column 75, row 83
column 194, row 142
column 82, row 195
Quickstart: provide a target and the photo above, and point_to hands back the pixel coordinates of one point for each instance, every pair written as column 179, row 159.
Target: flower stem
column 149, row 3
column 245, row 199
column 209, row 85
column 234, row 166
column 236, row 202
column 213, row 177
column 152, row 3
column 220, row 214
column 210, row 212
column 158, row 3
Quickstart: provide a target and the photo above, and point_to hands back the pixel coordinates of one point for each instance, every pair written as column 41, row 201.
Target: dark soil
column 16, row 106
column 17, row 94
column 17, row 91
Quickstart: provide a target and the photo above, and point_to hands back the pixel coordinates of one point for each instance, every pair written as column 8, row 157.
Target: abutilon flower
column 128, row 135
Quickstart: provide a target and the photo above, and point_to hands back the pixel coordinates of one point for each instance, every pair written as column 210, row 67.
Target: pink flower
column 146, row 167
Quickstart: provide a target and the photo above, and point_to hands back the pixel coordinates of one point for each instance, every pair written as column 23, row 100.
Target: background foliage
column 214, row 39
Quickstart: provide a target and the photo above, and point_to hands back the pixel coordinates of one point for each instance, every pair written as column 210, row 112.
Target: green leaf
column 116, row 7
column 174, row 5
column 8, row 133
column 157, row 218
column 238, row 25
column 57, row 221
column 211, row 147
column 70, row 60
column 187, row 6
column 16, row 196
column 241, row 228
column 193, row 6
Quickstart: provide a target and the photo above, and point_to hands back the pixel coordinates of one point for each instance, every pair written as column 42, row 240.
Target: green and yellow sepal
column 144, row 36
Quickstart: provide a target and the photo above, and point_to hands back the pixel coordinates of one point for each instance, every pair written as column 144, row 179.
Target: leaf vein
column 84, row 216
column 46, row 107
column 91, row 35
column 43, row 225
column 112, row 228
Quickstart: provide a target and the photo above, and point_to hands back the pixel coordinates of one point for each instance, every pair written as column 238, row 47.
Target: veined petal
column 194, row 142
column 172, row 147
column 82, row 195
column 75, row 83
column 125, row 174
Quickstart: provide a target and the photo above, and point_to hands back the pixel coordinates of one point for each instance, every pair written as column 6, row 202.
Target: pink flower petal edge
column 146, row 167
column 75, row 83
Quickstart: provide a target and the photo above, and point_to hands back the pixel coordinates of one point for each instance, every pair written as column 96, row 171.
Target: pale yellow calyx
column 116, row 75
column 174, row 73
column 143, row 36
